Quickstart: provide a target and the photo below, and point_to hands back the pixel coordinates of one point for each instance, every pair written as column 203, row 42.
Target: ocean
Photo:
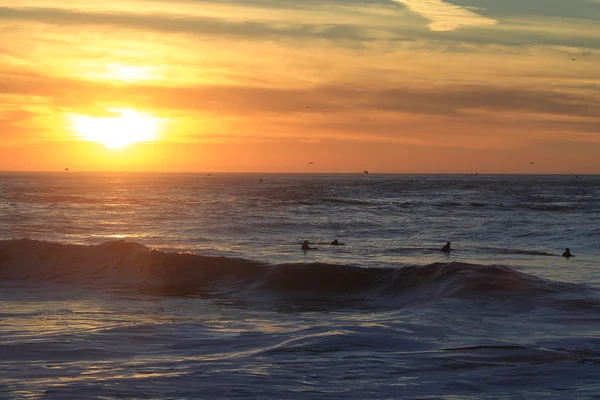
column 194, row 286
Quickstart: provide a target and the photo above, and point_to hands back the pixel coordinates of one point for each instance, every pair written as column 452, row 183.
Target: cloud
column 173, row 23
column 445, row 16
column 455, row 115
column 331, row 24
column 447, row 99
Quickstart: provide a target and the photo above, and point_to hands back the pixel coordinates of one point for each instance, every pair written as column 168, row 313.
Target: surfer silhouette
column 446, row 248
column 336, row 243
column 567, row 253
column 305, row 246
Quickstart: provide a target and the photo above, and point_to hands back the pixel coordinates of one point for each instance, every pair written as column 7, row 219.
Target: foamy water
column 194, row 286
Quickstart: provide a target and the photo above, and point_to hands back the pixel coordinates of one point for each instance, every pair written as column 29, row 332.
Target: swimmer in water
column 305, row 246
column 567, row 253
column 446, row 248
column 336, row 243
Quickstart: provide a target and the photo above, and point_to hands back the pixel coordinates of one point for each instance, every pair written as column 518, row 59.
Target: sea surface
column 194, row 286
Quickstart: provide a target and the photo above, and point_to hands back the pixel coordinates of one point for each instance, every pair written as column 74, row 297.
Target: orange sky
column 269, row 85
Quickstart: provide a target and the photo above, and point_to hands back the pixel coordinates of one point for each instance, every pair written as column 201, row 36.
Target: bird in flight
column 312, row 162
column 366, row 172
column 531, row 162
column 573, row 59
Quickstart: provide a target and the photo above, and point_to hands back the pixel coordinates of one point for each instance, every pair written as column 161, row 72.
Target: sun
column 127, row 126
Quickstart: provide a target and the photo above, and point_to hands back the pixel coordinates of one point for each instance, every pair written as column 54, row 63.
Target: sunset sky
column 485, row 86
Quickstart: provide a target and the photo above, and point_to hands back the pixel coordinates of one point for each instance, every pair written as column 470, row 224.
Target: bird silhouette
column 66, row 169
column 573, row 59
column 477, row 174
column 312, row 162
column 366, row 172
column 531, row 162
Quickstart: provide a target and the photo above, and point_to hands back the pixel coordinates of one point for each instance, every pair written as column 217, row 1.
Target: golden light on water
column 126, row 127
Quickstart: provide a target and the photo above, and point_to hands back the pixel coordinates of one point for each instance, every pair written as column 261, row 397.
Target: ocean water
column 194, row 286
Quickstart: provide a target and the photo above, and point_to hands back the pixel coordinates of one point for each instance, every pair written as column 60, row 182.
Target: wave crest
column 135, row 266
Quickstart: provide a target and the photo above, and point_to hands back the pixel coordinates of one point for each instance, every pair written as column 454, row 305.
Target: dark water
column 192, row 286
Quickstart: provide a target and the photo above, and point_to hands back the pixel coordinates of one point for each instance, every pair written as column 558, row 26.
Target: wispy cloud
column 173, row 23
column 458, row 100
column 445, row 16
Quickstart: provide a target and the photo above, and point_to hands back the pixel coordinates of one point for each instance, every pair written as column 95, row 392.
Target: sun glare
column 129, row 73
column 127, row 127
column 119, row 72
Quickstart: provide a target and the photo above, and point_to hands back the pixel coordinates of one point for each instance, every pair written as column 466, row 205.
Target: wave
column 484, row 250
column 322, row 201
column 560, row 206
column 496, row 250
column 133, row 266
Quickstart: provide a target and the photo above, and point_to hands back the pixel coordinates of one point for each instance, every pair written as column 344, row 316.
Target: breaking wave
column 130, row 265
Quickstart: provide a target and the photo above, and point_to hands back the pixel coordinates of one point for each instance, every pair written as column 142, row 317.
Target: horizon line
column 294, row 173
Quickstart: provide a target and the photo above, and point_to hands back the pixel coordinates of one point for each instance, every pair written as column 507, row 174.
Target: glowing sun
column 115, row 132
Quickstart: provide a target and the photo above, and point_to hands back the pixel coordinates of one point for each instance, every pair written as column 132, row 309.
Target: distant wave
column 36, row 198
column 133, row 266
column 316, row 202
column 495, row 250
column 556, row 207
column 485, row 250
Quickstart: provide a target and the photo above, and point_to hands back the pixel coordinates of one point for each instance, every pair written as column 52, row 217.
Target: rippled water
column 194, row 286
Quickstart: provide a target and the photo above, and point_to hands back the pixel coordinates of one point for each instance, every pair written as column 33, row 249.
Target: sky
column 390, row 86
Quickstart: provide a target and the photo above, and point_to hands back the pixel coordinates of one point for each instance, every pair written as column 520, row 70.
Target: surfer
column 336, row 243
column 305, row 246
column 446, row 248
column 567, row 253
